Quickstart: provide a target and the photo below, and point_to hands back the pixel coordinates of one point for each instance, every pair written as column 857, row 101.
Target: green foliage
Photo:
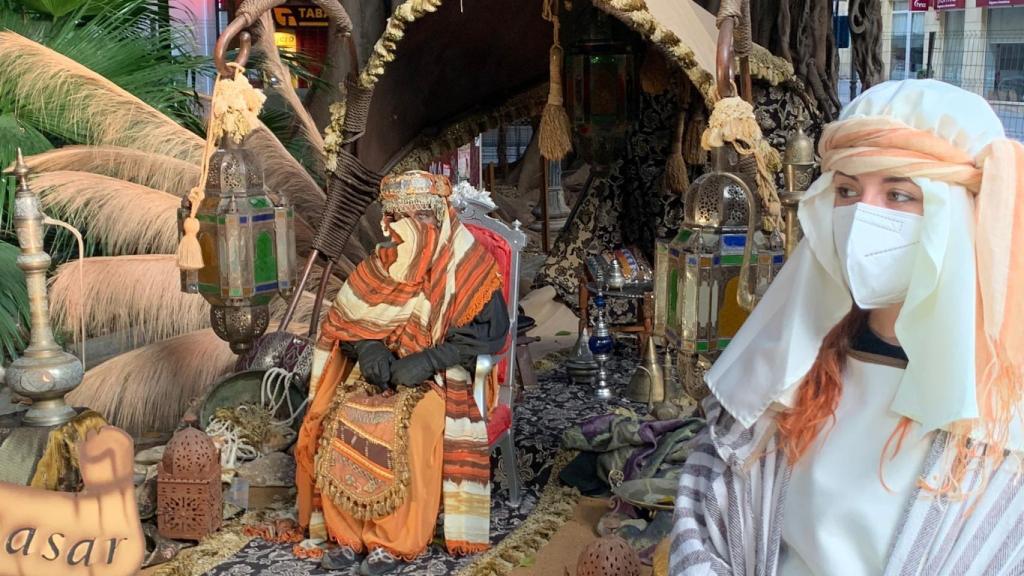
column 14, row 309
column 134, row 46
column 131, row 43
column 59, row 8
column 14, row 135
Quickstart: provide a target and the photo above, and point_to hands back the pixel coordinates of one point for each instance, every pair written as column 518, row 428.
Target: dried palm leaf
column 60, row 93
column 150, row 388
column 127, row 218
column 282, row 173
column 273, row 65
column 141, row 297
column 146, row 168
column 131, row 295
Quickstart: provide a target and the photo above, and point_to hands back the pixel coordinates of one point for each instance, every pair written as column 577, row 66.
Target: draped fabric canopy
column 445, row 71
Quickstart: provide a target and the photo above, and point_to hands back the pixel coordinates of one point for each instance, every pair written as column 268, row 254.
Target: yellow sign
column 286, row 41
column 300, row 17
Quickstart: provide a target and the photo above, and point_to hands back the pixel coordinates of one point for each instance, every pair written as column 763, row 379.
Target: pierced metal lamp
column 247, row 240
column 798, row 165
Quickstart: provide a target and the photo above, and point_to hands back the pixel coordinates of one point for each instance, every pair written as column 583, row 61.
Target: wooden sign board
column 88, row 533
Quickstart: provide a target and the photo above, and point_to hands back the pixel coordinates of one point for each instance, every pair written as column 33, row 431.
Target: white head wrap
column 776, row 347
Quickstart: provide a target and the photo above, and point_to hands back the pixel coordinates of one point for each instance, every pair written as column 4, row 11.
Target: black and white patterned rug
column 547, row 410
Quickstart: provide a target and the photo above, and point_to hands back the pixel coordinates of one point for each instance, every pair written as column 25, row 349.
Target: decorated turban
column 414, row 191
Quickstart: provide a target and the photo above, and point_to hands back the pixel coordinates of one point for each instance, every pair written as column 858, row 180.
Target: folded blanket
column 627, row 444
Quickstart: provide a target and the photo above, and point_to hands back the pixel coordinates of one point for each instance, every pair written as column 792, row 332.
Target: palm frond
column 149, row 389
column 141, row 295
column 15, row 135
column 127, row 218
column 282, row 173
column 273, row 64
column 14, row 312
column 155, row 171
column 63, row 97
column 137, row 296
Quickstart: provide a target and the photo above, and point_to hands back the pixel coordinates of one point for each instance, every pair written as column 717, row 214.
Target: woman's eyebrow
column 897, row 180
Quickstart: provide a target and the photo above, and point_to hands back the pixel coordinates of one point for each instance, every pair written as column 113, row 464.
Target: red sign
column 949, row 4
column 920, row 5
column 999, row 3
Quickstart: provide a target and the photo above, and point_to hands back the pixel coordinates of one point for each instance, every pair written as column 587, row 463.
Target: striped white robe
column 728, row 517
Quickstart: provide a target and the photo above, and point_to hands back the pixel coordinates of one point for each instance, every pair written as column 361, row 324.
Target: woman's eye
column 898, row 196
column 844, row 192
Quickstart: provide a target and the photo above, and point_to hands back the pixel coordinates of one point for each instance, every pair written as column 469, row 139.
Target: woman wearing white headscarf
column 865, row 420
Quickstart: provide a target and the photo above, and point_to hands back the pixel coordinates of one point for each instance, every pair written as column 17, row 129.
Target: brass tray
column 651, row 493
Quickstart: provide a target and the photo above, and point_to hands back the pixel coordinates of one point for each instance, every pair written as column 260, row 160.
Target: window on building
column 953, row 44
column 517, row 139
column 907, row 57
column 841, row 27
column 1004, row 65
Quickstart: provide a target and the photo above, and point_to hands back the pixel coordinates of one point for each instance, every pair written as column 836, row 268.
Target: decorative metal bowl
column 244, row 388
column 650, row 493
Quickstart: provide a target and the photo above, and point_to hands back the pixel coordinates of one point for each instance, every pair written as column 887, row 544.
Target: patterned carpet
column 540, row 418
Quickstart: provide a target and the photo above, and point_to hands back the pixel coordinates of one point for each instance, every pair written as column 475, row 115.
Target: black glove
column 375, row 362
column 416, row 368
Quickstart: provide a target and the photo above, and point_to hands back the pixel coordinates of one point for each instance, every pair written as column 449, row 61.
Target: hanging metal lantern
column 248, row 246
column 711, row 274
column 247, row 239
column 798, row 167
column 602, row 87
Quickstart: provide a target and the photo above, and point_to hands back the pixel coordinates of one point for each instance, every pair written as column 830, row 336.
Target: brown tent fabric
column 440, row 63
column 451, row 63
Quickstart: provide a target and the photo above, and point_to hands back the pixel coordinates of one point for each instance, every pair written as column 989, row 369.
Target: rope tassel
column 234, row 112
column 555, row 130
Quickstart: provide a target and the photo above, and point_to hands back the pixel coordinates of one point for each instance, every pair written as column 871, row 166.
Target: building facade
column 975, row 44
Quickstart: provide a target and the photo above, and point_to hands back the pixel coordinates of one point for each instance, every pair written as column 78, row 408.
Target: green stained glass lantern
column 602, row 87
column 248, row 246
column 711, row 274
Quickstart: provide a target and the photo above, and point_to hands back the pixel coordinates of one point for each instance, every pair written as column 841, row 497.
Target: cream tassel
column 555, row 130
column 234, row 112
column 733, row 122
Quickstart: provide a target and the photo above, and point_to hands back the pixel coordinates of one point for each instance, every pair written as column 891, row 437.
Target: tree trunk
column 866, row 40
column 368, row 20
column 800, row 32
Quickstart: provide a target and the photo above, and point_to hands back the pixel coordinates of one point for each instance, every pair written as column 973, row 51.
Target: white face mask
column 876, row 248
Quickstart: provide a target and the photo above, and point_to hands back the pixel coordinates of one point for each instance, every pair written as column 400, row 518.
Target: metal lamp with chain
column 730, row 246
column 238, row 244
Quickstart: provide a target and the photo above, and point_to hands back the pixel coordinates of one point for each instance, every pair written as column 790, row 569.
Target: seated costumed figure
column 393, row 424
column 866, row 420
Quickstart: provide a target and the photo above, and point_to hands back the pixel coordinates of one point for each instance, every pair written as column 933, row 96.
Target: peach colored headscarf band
column 996, row 178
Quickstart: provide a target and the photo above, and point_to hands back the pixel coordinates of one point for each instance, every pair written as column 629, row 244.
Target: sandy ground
column 562, row 552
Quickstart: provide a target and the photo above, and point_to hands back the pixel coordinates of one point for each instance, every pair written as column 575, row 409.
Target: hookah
column 601, row 344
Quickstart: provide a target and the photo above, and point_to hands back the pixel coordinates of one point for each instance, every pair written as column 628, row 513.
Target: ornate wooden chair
column 505, row 243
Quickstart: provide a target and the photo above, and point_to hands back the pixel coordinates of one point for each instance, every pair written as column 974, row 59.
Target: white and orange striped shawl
column 409, row 300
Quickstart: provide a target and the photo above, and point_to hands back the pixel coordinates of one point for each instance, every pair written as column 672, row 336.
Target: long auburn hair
column 819, row 393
